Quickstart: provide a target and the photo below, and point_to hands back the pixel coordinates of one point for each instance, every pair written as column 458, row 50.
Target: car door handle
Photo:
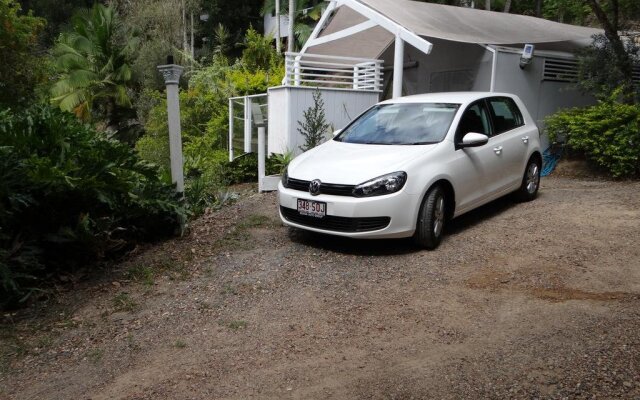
column 525, row 139
column 497, row 150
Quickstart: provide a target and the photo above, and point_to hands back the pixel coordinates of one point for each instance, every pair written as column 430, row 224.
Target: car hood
column 351, row 163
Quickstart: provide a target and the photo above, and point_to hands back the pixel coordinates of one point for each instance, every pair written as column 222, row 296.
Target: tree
column 315, row 126
column 94, row 63
column 307, row 13
column 258, row 53
column 20, row 67
column 236, row 19
column 598, row 73
column 608, row 13
column 162, row 31
column 57, row 14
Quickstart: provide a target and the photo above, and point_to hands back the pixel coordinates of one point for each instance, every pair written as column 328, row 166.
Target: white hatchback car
column 406, row 166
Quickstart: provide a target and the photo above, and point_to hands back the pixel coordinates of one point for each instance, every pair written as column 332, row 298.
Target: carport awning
column 476, row 26
column 458, row 24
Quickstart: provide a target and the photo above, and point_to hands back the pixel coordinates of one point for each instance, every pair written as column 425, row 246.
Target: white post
column 230, row 130
column 292, row 22
column 494, row 67
column 287, row 69
column 398, row 66
column 278, row 26
column 247, row 124
column 171, row 74
column 261, row 157
column 297, row 71
column 355, row 77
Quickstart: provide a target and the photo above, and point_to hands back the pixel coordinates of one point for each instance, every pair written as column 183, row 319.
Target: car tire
column 530, row 181
column 431, row 219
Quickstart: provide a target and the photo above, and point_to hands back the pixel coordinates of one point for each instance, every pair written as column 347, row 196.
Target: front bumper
column 400, row 207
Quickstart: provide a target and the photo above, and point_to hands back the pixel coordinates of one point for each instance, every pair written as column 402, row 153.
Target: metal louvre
column 560, row 70
column 335, row 223
column 636, row 75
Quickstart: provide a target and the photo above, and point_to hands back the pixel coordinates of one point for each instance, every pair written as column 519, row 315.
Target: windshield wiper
column 418, row 143
column 371, row 143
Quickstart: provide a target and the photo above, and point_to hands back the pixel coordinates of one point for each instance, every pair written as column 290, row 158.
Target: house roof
column 451, row 23
column 471, row 25
column 368, row 44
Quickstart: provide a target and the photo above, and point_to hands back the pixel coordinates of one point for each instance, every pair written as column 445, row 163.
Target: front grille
column 334, row 223
column 325, row 188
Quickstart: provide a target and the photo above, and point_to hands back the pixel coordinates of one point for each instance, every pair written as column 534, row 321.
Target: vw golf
column 406, row 166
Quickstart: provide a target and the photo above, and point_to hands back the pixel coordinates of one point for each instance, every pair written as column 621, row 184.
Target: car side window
column 505, row 113
column 475, row 119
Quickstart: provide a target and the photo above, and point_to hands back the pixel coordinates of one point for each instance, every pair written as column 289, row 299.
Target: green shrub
column 608, row 133
column 69, row 196
column 278, row 163
column 242, row 169
column 314, row 127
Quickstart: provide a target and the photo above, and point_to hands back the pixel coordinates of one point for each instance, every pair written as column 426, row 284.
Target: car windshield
column 401, row 123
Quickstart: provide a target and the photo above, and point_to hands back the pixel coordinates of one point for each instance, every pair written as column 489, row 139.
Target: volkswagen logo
column 314, row 187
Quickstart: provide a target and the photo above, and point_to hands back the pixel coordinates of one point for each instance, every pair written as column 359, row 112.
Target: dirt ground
column 522, row 301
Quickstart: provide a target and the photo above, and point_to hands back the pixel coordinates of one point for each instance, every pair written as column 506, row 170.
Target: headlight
column 384, row 184
column 285, row 178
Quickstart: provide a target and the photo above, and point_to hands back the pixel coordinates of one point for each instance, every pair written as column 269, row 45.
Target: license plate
column 312, row 208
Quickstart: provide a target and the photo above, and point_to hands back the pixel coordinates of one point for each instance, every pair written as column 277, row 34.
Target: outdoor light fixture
column 527, row 55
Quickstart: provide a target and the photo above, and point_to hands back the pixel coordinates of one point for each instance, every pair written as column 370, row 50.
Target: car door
column 476, row 170
column 510, row 135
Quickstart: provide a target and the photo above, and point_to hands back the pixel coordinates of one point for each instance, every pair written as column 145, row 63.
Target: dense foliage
column 20, row 68
column 57, row 13
column 600, row 74
column 69, row 196
column 204, row 108
column 608, row 133
column 93, row 62
column 236, row 19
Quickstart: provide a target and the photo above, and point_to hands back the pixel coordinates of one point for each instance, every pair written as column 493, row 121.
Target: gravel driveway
column 523, row 301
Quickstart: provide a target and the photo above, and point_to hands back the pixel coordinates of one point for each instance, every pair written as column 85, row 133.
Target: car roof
column 446, row 97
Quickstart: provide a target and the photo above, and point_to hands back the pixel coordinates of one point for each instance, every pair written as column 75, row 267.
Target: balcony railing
column 333, row 72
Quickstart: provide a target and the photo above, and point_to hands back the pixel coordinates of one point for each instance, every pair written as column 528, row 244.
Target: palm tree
column 93, row 62
column 307, row 12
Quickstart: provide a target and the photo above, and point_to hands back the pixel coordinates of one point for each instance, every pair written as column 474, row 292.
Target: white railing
column 252, row 111
column 333, row 72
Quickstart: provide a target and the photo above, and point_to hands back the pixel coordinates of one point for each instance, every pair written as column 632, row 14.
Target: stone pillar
column 171, row 74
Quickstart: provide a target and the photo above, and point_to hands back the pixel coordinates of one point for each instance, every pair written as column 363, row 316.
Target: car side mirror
column 473, row 139
column 336, row 132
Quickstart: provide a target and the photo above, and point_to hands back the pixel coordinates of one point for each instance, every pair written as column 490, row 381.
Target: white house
column 363, row 51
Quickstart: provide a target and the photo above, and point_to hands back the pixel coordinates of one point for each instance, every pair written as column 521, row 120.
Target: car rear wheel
column 431, row 219
column 530, row 181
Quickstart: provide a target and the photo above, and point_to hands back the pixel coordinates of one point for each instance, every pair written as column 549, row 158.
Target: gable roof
column 471, row 25
column 451, row 23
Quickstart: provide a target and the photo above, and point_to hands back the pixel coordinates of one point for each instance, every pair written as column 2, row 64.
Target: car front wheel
column 431, row 219
column 530, row 181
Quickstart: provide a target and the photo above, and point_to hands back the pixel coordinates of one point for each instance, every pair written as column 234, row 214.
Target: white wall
column 288, row 103
column 451, row 66
column 541, row 97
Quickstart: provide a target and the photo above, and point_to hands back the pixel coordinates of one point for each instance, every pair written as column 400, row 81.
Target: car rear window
column 505, row 113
